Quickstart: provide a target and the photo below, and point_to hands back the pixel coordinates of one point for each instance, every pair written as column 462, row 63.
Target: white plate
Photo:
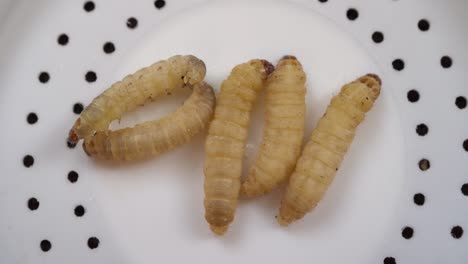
column 383, row 206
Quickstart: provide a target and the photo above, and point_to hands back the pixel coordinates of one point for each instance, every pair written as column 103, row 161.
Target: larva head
column 76, row 132
column 364, row 91
column 262, row 66
column 373, row 82
column 289, row 60
column 196, row 70
column 89, row 147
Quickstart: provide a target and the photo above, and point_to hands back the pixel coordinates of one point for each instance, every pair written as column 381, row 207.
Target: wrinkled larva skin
column 225, row 144
column 327, row 146
column 156, row 137
column 283, row 131
column 135, row 90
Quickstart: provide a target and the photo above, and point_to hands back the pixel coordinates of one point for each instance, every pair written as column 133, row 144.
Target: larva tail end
column 282, row 221
column 196, row 72
column 289, row 57
column 269, row 68
column 219, row 230
column 88, row 147
column 251, row 190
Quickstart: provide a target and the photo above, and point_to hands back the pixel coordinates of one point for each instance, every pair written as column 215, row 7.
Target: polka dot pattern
column 457, row 232
column 63, row 39
column 28, row 161
column 32, row 118
column 424, row 131
column 132, row 23
column 45, row 245
column 460, row 102
column 44, row 77
column 159, row 4
column 413, row 96
column 93, row 242
column 419, row 199
column 424, row 164
column 108, row 47
column 78, row 108
column 398, row 64
column 89, row 6
column 423, row 25
column 33, row 204
column 352, row 14
column 378, row 37
column 73, row 176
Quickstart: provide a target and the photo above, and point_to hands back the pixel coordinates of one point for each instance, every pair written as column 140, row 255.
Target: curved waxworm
column 155, row 137
column 327, row 146
column 135, row 90
column 283, row 131
column 225, row 144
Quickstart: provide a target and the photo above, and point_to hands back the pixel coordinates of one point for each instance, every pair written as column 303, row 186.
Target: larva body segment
column 327, row 146
column 135, row 90
column 283, row 131
column 155, row 137
column 225, row 144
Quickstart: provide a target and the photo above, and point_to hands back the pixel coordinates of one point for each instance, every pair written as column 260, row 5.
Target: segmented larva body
column 327, row 146
column 155, row 137
column 225, row 144
column 283, row 131
column 135, row 90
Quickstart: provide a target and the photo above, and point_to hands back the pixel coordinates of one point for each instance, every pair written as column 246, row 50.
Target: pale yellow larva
column 155, row 137
column 225, row 144
column 135, row 90
column 327, row 146
column 283, row 131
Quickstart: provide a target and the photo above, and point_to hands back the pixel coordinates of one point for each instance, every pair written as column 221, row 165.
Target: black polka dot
column 446, row 62
column 460, row 102
column 352, row 14
column 91, row 76
column 457, row 232
column 389, row 260
column 464, row 189
column 70, row 145
column 108, row 47
column 419, row 199
column 422, row 129
column 73, row 176
column 423, row 25
column 159, row 4
column 45, row 245
column 28, row 161
column 44, row 77
column 413, row 96
column 323, row 1
column 63, row 39
column 132, row 23
column 93, row 242
column 407, row 232
column 32, row 118
column 79, row 210
column 89, row 6
column 424, row 164
column 398, row 64
column 77, row 108
column 33, row 204
column 378, row 37
column 465, row 144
